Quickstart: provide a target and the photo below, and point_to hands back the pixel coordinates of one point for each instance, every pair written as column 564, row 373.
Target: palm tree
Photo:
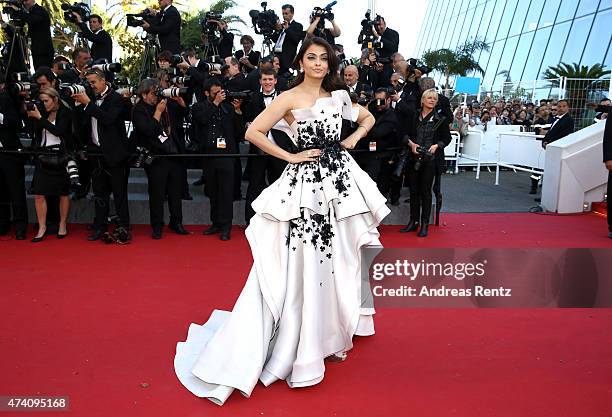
column 460, row 62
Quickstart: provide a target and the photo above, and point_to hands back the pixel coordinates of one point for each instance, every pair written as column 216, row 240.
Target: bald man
column 351, row 79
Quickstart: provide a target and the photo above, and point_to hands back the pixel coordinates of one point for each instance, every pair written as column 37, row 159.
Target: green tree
column 191, row 29
column 459, row 62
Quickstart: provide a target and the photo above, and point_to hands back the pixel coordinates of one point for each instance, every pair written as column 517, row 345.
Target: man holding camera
column 167, row 25
column 39, row 31
column 218, row 123
column 101, row 42
column 104, row 119
column 264, row 170
column 317, row 26
column 287, row 37
column 81, row 58
column 389, row 38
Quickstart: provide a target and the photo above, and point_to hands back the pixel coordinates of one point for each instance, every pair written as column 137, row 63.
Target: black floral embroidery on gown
column 313, row 228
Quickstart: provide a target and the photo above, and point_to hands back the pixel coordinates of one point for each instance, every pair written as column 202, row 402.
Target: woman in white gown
column 302, row 299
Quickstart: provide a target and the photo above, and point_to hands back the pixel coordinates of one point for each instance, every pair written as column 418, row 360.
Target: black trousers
column 421, row 183
column 105, row 180
column 165, row 175
column 219, row 176
column 13, row 193
column 261, row 168
column 381, row 171
column 42, row 60
column 609, row 199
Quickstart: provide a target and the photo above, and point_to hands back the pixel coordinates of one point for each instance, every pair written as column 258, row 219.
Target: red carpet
column 99, row 323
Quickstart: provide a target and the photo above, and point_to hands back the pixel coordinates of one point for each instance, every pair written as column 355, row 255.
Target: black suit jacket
column 148, row 129
column 384, row 132
column 10, row 123
column 254, row 57
column 39, row 24
column 293, row 35
column 62, row 127
column 390, row 40
column 203, row 113
column 226, row 44
column 563, row 127
column 167, row 26
column 102, row 44
column 110, row 116
column 238, row 83
column 257, row 105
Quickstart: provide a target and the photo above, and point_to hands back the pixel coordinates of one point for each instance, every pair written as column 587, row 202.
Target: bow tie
column 269, row 95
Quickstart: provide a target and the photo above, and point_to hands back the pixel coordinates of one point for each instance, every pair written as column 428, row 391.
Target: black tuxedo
column 237, row 83
column 265, row 169
column 563, row 127
column 102, row 44
column 254, row 57
column 167, row 25
column 226, row 44
column 109, row 172
column 390, row 40
column 39, row 24
column 293, row 36
column 253, row 81
column 359, row 87
column 12, row 174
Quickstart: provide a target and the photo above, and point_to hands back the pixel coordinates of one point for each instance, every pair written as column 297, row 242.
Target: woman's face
column 429, row 101
column 49, row 102
column 247, row 46
column 315, row 62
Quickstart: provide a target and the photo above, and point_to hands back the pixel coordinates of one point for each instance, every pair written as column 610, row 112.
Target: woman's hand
column 35, row 114
column 433, row 148
column 350, row 142
column 414, row 147
column 309, row 155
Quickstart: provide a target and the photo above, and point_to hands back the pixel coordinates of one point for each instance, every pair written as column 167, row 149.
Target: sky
column 404, row 16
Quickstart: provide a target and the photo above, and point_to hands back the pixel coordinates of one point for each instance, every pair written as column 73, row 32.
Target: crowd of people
column 76, row 115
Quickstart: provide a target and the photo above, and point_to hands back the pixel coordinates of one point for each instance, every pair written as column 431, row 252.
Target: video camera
column 9, row 10
column 82, row 9
column 210, row 26
column 413, row 64
column 137, row 19
column 264, row 22
column 323, row 13
column 367, row 37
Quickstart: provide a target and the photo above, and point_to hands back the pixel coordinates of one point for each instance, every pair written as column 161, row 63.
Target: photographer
column 265, row 168
column 39, row 31
column 53, row 133
column 80, row 60
column 59, row 65
column 196, row 69
column 426, row 146
column 166, row 24
column 383, row 136
column 235, row 80
column 103, row 116
column 12, row 174
column 389, row 38
column 218, row 123
column 248, row 58
column 317, row 26
column 101, row 42
column 154, row 129
column 287, row 37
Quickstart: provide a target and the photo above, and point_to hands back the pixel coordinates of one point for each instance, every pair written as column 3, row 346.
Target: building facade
column 525, row 36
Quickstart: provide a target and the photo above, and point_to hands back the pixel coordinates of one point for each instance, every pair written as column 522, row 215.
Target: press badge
column 162, row 138
column 221, row 143
column 372, row 146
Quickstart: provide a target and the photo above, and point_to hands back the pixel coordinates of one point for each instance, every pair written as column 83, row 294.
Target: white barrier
column 479, row 147
column 574, row 172
column 519, row 151
column 453, row 149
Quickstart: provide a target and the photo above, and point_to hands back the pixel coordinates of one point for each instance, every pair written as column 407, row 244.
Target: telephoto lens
column 171, row 92
column 71, row 89
column 127, row 91
column 73, row 173
column 114, row 67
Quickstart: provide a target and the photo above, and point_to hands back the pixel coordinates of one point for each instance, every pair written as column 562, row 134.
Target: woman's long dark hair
column 332, row 81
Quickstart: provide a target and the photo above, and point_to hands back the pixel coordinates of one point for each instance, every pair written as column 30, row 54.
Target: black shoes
column 423, row 231
column 157, row 233
column 212, row 230
column 225, row 235
column 412, row 226
column 38, row 239
column 20, row 234
column 97, row 235
column 178, row 229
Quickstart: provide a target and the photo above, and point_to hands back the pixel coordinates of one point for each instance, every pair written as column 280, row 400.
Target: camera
column 82, row 9
column 180, row 80
column 238, row 95
column 30, row 105
column 264, row 22
column 323, row 13
column 367, row 37
column 212, row 66
column 28, row 87
column 9, row 10
column 64, row 66
column 137, row 19
column 67, row 89
column 143, row 157
column 112, row 67
column 365, row 98
column 127, row 90
column 413, row 64
column 171, row 92
column 173, row 71
column 209, row 28
column 73, row 173
column 423, row 153
column 176, row 59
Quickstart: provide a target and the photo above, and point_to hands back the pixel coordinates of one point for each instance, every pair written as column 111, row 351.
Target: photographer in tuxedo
column 12, row 174
column 264, row 170
column 287, row 37
column 167, row 26
column 80, row 59
column 39, row 31
column 247, row 56
column 103, row 118
column 156, row 131
column 389, row 38
column 101, row 42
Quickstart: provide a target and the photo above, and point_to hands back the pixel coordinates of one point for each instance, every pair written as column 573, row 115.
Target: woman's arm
column 259, row 128
column 366, row 121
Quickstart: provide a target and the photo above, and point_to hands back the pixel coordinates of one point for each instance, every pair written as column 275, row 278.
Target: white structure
column 574, row 174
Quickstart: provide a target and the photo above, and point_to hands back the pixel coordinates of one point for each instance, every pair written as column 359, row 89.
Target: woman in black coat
column 430, row 136
column 52, row 133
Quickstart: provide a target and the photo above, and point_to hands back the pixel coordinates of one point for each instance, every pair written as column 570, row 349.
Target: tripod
column 210, row 48
column 148, row 65
column 18, row 59
column 80, row 41
column 267, row 47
